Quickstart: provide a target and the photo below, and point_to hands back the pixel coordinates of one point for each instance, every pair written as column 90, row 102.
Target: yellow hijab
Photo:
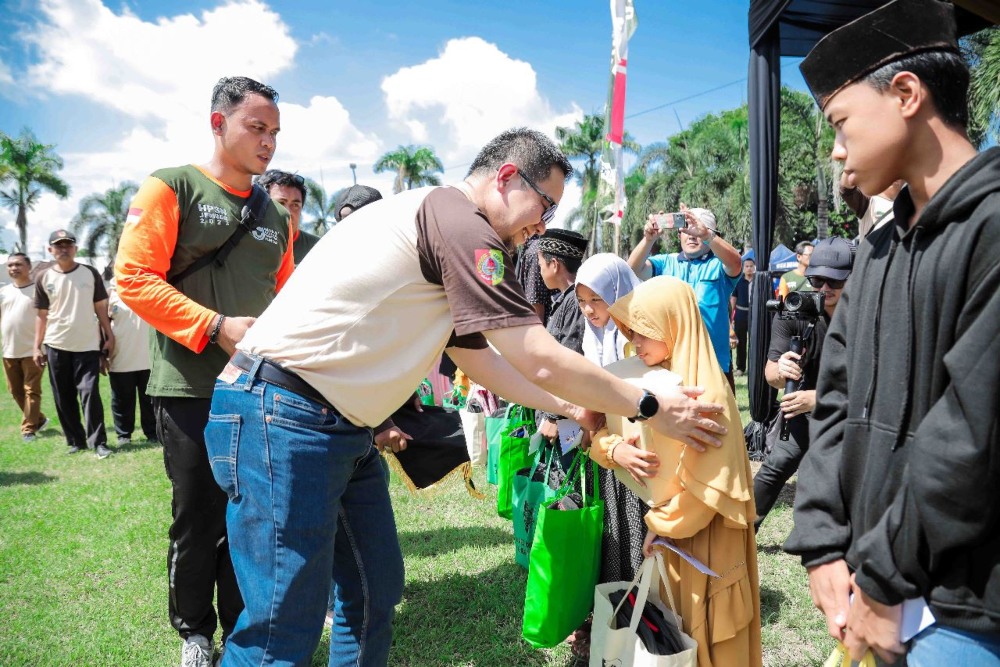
column 666, row 309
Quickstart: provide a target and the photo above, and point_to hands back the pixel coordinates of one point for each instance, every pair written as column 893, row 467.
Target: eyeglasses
column 548, row 213
column 818, row 281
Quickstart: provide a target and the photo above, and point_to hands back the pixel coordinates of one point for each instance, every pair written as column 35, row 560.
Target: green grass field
column 83, row 567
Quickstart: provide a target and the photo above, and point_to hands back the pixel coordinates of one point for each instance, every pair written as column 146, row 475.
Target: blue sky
column 123, row 88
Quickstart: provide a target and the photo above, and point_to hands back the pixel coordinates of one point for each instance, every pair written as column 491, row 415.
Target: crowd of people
column 268, row 363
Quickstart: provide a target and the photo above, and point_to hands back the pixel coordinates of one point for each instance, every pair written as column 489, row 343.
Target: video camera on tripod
column 804, row 307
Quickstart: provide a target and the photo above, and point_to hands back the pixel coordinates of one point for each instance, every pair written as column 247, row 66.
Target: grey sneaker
column 197, row 652
column 73, row 449
column 103, row 452
column 124, row 440
column 28, row 437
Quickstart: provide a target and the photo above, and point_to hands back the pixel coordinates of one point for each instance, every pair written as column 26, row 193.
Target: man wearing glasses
column 338, row 351
column 289, row 190
column 830, row 266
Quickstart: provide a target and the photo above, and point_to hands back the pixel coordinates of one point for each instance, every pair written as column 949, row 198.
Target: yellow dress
column 707, row 505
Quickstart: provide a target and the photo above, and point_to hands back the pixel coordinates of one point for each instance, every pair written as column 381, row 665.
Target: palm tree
column 414, row 167
column 320, row 207
column 586, row 140
column 30, row 167
column 982, row 52
column 102, row 218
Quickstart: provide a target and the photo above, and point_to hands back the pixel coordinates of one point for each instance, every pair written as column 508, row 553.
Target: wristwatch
column 648, row 406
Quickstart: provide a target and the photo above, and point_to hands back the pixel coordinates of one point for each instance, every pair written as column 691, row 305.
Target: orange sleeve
column 144, row 254
column 782, row 288
column 287, row 263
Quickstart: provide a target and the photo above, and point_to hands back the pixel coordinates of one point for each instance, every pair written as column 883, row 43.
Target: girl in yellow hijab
column 702, row 501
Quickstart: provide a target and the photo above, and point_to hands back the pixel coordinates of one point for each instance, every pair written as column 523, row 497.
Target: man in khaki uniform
column 17, row 329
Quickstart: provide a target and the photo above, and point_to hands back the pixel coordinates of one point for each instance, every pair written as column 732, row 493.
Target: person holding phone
column 706, row 261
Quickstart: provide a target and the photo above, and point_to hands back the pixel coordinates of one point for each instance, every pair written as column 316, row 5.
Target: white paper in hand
column 695, row 563
column 570, row 434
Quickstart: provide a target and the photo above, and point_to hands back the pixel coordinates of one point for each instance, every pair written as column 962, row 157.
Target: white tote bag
column 474, row 426
column 611, row 646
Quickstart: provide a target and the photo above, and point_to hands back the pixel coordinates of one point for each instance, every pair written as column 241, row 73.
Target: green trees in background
column 982, row 52
column 27, row 169
column 414, row 167
column 320, row 206
column 101, row 219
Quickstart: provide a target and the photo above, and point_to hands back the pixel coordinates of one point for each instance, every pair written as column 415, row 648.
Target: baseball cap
column 832, row 258
column 61, row 235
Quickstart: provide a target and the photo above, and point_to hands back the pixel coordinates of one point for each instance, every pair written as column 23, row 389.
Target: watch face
column 648, row 405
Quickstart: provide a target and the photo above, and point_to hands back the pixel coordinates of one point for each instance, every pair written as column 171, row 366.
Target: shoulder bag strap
column 252, row 211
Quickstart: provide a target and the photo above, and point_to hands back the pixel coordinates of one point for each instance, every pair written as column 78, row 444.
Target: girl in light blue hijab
column 602, row 280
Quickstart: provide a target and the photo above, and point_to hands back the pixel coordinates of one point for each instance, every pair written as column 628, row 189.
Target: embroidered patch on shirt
column 489, row 266
column 133, row 216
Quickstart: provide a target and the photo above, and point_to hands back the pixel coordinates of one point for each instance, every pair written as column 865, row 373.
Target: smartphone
column 670, row 221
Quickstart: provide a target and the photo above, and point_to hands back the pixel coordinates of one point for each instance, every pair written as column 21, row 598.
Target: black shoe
column 73, row 449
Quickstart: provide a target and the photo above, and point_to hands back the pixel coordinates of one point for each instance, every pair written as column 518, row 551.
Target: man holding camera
column 832, row 261
column 706, row 262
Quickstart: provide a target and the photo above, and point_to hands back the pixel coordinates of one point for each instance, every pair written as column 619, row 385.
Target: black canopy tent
column 791, row 28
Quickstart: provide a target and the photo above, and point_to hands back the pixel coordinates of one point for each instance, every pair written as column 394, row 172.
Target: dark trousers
column 125, row 388
column 198, row 563
column 73, row 373
column 782, row 461
column 742, row 328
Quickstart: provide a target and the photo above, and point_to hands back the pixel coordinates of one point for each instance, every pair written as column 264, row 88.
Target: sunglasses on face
column 817, row 282
column 549, row 212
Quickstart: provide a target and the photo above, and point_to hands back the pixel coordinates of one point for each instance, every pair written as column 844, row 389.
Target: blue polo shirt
column 707, row 276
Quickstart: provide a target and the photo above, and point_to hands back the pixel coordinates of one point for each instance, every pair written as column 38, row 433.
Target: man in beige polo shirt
column 341, row 347
column 68, row 338
column 17, row 329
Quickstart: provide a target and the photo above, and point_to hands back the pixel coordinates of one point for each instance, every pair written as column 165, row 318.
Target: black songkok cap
column 563, row 243
column 355, row 196
column 899, row 29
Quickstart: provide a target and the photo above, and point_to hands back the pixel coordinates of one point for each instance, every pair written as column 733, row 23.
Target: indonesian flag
column 133, row 216
column 624, row 22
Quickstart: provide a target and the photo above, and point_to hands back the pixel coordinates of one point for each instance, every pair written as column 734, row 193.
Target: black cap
column 832, row 258
column 563, row 243
column 899, row 29
column 355, row 196
column 61, row 235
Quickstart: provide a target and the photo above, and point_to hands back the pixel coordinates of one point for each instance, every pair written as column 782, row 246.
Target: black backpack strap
column 252, row 211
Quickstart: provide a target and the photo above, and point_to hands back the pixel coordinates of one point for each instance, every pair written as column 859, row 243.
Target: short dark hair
column 801, row 246
column 273, row 177
column 27, row 260
column 572, row 265
column 230, row 91
column 533, row 153
column 946, row 76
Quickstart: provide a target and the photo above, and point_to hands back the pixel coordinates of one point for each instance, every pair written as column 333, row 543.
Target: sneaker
column 124, row 440
column 45, row 422
column 73, row 449
column 103, row 452
column 196, row 652
column 28, row 437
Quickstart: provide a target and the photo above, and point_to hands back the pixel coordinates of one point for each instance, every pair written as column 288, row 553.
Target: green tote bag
column 500, row 422
column 565, row 561
column 532, row 487
column 514, row 456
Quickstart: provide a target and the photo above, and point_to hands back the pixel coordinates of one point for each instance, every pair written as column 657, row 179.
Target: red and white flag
column 624, row 22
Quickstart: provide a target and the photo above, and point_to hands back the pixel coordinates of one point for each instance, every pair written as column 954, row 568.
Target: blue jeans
column 940, row 645
column 307, row 500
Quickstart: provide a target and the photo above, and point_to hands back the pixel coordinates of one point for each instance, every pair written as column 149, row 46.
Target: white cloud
column 461, row 99
column 5, row 75
column 117, row 61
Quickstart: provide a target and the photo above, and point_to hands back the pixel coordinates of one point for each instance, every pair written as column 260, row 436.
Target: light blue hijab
column 611, row 278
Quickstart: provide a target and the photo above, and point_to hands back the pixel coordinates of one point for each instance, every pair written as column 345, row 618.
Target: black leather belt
column 271, row 372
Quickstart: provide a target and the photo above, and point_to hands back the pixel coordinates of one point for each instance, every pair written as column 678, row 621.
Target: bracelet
column 213, row 337
column 710, row 239
column 611, row 452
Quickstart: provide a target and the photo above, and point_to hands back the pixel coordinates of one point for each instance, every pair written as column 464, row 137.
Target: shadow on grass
column 464, row 620
column 770, row 604
column 135, row 446
column 24, row 478
column 428, row 543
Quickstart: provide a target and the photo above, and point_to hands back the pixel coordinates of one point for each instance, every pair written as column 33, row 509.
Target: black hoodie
column 903, row 475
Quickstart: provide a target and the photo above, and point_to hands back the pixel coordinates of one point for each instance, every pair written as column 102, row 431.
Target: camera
column 798, row 306
column 671, row 221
